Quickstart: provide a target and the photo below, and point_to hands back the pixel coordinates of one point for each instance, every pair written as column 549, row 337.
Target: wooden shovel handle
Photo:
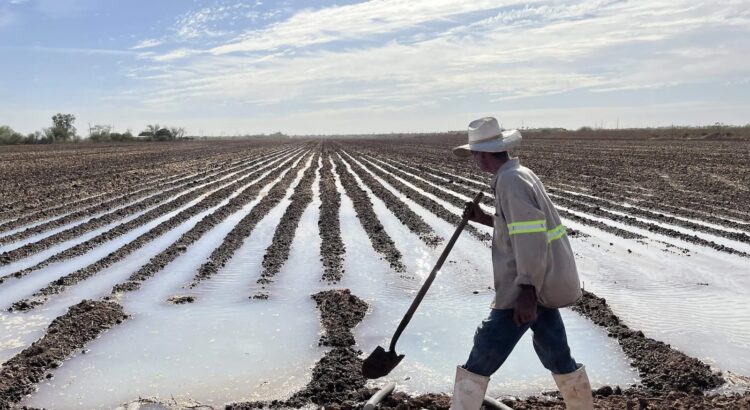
column 428, row 281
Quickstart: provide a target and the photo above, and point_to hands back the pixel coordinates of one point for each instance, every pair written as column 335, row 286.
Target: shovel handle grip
column 431, row 278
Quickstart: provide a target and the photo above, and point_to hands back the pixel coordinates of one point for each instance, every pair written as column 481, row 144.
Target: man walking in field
column 534, row 273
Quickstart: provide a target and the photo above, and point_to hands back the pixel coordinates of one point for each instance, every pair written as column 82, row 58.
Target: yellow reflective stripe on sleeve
column 556, row 233
column 539, row 225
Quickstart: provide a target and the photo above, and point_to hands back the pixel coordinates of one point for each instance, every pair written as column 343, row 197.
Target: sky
column 223, row 67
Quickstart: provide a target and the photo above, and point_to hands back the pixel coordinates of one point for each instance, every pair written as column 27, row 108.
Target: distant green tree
column 62, row 128
column 8, row 136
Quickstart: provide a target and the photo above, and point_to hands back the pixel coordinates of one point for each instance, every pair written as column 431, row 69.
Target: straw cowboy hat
column 485, row 135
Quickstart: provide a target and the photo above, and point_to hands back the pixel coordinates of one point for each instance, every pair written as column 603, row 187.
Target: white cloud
column 148, row 43
column 414, row 54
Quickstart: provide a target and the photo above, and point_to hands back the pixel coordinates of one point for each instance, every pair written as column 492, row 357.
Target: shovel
column 380, row 362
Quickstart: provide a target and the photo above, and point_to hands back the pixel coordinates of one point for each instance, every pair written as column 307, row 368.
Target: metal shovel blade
column 380, row 363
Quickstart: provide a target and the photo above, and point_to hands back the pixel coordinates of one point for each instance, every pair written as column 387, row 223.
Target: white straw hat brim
column 505, row 141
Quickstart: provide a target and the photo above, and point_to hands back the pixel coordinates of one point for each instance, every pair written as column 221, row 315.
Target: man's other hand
column 525, row 310
column 475, row 214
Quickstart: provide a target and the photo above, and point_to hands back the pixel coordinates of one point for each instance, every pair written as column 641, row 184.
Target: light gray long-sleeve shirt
column 529, row 246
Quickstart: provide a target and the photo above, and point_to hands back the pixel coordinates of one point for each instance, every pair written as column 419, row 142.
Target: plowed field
column 259, row 273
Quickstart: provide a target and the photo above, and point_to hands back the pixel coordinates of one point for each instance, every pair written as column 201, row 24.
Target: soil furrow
column 437, row 175
column 59, row 285
column 332, row 248
column 236, row 237
column 158, row 262
column 61, row 204
column 661, row 367
column 564, row 199
column 736, row 236
column 427, row 187
column 599, row 225
column 449, row 187
column 278, row 251
column 631, row 221
column 425, row 202
column 134, row 207
column 138, row 191
column 381, row 241
column 123, row 228
column 406, row 215
column 66, row 334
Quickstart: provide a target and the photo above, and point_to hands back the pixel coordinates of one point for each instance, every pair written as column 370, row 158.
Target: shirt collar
column 510, row 164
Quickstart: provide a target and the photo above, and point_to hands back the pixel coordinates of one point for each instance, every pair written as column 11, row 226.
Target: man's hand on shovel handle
column 476, row 214
column 525, row 311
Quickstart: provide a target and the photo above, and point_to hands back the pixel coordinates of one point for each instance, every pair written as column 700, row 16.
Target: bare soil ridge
column 59, row 285
column 422, row 200
column 81, row 324
column 278, row 251
column 236, row 237
column 332, row 248
column 209, row 188
column 381, row 241
column 406, row 215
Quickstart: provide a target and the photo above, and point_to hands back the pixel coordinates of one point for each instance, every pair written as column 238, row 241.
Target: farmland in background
column 187, row 269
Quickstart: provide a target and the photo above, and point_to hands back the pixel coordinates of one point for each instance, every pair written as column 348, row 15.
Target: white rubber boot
column 575, row 389
column 468, row 392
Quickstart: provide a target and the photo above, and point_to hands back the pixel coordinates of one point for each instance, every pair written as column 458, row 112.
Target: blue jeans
column 496, row 337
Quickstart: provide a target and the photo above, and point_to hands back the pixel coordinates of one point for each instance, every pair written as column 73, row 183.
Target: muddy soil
column 51, row 180
column 446, row 184
column 708, row 189
column 123, row 228
column 381, row 241
column 71, row 279
column 137, row 192
column 278, row 251
column 661, row 367
column 422, row 200
column 236, row 237
column 158, row 262
column 165, row 201
column 332, row 248
column 631, row 221
column 65, row 335
column 406, row 215
column 646, row 214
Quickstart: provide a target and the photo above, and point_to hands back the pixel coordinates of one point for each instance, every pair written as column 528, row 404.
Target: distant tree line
column 63, row 130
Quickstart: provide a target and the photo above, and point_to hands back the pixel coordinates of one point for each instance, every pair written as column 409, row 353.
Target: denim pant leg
column 551, row 342
column 494, row 340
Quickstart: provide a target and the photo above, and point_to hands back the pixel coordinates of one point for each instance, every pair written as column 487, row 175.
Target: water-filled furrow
column 123, row 203
column 650, row 216
column 228, row 207
column 409, row 218
column 650, row 227
column 379, row 238
column 278, row 252
column 425, row 201
column 66, row 281
column 93, row 223
column 123, row 228
column 26, row 225
column 234, row 239
column 464, row 194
